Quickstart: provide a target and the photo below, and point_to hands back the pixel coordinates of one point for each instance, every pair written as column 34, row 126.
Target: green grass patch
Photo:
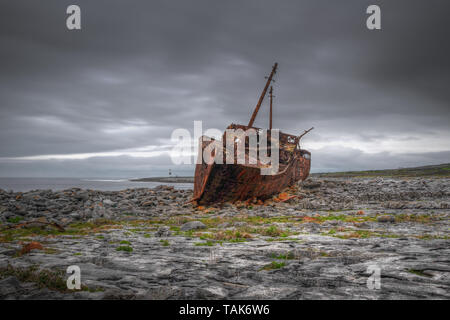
column 343, row 218
column 282, row 239
column 225, row 235
column 360, row 234
column 124, row 248
column 43, row 278
column 431, row 237
column 206, row 243
column 188, row 234
column 418, row 218
column 51, row 279
column 15, row 219
column 272, row 231
column 286, row 256
column 418, row 273
column 274, row 265
column 74, row 229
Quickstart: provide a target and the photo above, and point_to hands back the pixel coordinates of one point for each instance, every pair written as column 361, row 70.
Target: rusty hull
column 218, row 183
column 215, row 183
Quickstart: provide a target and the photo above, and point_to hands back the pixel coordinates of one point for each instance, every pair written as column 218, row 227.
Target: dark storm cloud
column 139, row 69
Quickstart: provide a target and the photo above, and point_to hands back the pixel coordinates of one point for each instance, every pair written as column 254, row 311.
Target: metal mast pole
column 271, row 97
column 261, row 98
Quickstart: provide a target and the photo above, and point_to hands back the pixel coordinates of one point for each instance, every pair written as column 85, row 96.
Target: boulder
column 192, row 225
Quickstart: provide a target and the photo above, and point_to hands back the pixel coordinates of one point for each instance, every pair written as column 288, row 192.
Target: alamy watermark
column 373, row 22
column 374, row 280
column 73, row 21
column 237, row 146
column 74, row 280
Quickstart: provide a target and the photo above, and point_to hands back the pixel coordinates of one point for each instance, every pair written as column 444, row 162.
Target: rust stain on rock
column 31, row 246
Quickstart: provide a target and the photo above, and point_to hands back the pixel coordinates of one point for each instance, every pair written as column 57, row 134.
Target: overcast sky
column 103, row 101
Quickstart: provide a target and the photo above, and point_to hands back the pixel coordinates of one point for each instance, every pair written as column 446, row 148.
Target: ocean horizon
column 103, row 184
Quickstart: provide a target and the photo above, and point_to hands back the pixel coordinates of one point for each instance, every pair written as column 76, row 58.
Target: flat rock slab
column 193, row 225
column 329, row 243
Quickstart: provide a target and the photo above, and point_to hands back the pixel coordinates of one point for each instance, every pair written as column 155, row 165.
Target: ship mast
column 261, row 98
column 271, row 97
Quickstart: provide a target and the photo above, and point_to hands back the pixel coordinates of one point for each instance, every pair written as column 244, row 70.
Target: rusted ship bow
column 216, row 183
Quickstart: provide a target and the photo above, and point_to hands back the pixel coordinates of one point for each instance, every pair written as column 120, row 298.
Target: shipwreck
column 221, row 181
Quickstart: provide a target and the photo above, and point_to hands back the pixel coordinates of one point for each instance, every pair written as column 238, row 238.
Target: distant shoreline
column 441, row 170
column 166, row 179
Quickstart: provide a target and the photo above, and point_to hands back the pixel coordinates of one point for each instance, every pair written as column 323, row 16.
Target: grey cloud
column 153, row 66
column 347, row 159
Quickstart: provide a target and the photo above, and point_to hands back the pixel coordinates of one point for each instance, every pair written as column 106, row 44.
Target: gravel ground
column 152, row 244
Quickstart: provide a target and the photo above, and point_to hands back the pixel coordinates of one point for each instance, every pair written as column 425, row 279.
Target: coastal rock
column 223, row 225
column 240, row 224
column 192, row 225
column 108, row 202
column 386, row 218
column 9, row 286
column 311, row 184
column 318, row 248
column 163, row 231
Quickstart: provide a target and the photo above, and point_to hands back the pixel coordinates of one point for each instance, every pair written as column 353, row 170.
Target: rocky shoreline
column 166, row 179
column 315, row 241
